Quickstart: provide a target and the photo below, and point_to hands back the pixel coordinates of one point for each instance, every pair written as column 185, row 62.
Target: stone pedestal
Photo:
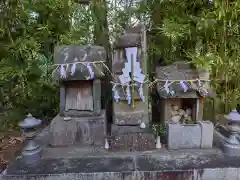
column 82, row 131
column 126, row 115
column 131, row 138
column 190, row 135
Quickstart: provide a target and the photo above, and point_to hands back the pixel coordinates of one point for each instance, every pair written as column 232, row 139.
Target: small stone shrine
column 81, row 120
column 182, row 90
column 130, row 128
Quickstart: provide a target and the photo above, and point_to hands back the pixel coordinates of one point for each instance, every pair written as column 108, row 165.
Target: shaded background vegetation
column 203, row 32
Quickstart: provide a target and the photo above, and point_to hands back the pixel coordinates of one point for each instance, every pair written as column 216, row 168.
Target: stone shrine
column 184, row 101
column 130, row 93
column 79, row 70
column 181, row 92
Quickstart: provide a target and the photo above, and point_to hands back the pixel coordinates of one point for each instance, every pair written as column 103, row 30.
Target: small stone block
column 84, row 131
column 190, row 135
column 207, row 134
column 183, row 136
column 127, row 138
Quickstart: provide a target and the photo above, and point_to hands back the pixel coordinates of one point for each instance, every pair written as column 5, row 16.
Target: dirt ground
column 10, row 143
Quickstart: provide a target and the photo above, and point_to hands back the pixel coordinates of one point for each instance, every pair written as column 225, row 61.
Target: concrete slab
column 92, row 161
column 98, row 164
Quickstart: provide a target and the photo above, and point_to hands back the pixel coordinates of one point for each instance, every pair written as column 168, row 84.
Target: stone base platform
column 131, row 138
column 97, row 164
column 221, row 135
column 188, row 136
column 82, row 131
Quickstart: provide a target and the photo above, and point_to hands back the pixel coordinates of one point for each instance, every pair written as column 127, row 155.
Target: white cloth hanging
column 128, row 94
column 184, row 86
column 166, row 87
column 90, row 70
column 63, row 73
column 73, row 69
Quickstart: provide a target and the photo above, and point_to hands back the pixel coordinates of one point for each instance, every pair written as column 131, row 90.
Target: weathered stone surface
column 190, row 136
column 182, row 70
column 91, row 131
column 187, row 136
column 128, row 40
column 195, row 174
column 125, row 115
column 84, row 165
column 69, row 54
column 63, row 133
column 131, row 138
column 207, row 134
column 84, row 131
column 207, row 164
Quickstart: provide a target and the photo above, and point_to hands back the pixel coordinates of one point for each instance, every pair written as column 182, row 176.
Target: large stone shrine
column 81, row 121
column 130, row 93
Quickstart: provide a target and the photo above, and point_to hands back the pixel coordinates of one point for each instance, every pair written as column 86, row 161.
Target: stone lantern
column 32, row 151
column 232, row 145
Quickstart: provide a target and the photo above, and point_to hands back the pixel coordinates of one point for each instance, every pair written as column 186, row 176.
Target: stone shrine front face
column 79, row 96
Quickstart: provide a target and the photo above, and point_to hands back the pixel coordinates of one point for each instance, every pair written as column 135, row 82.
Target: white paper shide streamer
column 73, row 69
column 184, row 86
column 63, row 73
column 166, row 87
column 140, row 90
column 116, row 94
column 199, row 82
column 128, row 94
column 90, row 70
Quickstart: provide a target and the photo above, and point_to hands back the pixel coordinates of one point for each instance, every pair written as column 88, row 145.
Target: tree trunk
column 154, row 39
column 101, row 38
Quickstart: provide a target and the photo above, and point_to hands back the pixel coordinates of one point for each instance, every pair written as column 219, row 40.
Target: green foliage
column 159, row 129
column 204, row 33
column 29, row 31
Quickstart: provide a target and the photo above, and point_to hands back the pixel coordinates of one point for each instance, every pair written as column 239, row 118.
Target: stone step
column 192, row 164
column 131, row 138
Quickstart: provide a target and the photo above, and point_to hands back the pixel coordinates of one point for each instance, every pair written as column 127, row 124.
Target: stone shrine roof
column 81, row 56
column 182, row 71
column 130, row 38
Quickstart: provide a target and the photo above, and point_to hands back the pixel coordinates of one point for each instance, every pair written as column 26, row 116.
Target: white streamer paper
column 84, row 57
column 199, row 82
column 62, row 71
column 172, row 92
column 184, row 86
column 141, row 93
column 166, row 87
column 128, row 94
column 90, row 70
column 114, row 87
column 116, row 96
column 73, row 69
